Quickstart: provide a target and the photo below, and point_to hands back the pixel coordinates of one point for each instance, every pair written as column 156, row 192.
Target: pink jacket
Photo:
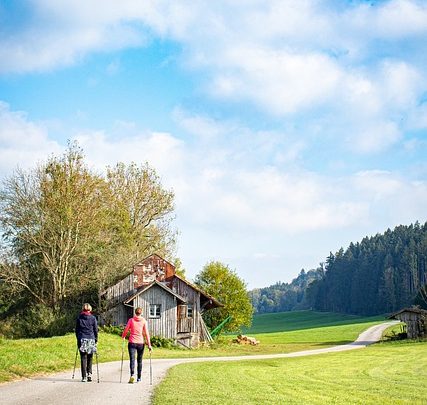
column 138, row 330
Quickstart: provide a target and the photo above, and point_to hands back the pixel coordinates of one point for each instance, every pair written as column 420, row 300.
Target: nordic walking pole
column 121, row 366
column 97, row 368
column 151, row 371
column 75, row 362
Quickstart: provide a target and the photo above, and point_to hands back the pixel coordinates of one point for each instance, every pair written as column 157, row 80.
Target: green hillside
column 298, row 320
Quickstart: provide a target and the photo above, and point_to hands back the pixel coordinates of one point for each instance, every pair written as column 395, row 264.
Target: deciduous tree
column 218, row 280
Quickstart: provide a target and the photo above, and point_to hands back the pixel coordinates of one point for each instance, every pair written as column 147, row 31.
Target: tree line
column 381, row 274
column 282, row 297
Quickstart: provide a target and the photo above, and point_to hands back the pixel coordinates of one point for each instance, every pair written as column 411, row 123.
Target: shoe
column 84, row 379
column 138, row 380
column 89, row 378
column 131, row 379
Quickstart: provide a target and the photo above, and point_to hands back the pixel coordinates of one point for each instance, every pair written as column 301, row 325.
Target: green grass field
column 387, row 373
column 390, row 372
column 26, row 357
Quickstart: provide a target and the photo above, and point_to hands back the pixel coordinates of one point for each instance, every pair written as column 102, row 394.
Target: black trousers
column 139, row 350
column 86, row 363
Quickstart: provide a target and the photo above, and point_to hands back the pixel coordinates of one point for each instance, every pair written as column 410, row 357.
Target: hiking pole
column 75, row 362
column 97, row 368
column 121, row 366
column 151, row 371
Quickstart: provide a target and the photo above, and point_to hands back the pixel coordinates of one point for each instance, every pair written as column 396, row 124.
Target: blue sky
column 287, row 129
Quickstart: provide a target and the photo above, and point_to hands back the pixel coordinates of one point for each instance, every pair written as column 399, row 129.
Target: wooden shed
column 171, row 304
column 415, row 319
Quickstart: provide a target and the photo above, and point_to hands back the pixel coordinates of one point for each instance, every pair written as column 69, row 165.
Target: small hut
column 415, row 319
column 171, row 304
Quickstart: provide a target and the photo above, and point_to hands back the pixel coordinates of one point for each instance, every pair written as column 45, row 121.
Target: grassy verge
column 27, row 357
column 386, row 373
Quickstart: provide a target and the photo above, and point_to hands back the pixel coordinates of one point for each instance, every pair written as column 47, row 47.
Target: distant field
column 299, row 320
column 287, row 332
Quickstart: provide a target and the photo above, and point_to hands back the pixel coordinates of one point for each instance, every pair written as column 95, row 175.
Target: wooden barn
column 172, row 305
column 415, row 319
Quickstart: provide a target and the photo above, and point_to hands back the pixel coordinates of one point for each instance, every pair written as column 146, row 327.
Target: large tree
column 67, row 229
column 218, row 280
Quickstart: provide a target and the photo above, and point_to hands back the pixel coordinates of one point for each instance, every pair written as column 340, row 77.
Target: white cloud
column 160, row 150
column 59, row 34
column 281, row 82
column 402, row 18
column 22, row 143
column 372, row 137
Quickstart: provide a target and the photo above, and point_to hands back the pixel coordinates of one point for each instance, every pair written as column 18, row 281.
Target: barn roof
column 213, row 301
column 413, row 310
column 147, row 287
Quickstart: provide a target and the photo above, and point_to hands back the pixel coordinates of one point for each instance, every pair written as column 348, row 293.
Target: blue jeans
column 139, row 349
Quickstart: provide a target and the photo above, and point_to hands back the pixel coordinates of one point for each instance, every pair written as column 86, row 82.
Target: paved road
column 61, row 389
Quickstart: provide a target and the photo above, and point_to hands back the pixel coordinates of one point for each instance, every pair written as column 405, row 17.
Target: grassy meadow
column 385, row 373
column 278, row 333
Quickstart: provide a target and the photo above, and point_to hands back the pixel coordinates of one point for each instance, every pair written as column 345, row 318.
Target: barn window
column 155, row 310
column 189, row 310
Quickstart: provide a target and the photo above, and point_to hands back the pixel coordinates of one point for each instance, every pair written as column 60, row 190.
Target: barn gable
column 159, row 307
column 152, row 268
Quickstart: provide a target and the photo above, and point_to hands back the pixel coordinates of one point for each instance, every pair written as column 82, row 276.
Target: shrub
column 37, row 321
column 113, row 330
column 158, row 341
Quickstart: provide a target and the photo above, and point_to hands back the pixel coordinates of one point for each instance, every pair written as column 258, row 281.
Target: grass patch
column 386, row 373
column 27, row 357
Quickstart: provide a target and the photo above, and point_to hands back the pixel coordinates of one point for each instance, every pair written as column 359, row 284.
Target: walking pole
column 151, row 371
column 75, row 362
column 121, row 366
column 97, row 368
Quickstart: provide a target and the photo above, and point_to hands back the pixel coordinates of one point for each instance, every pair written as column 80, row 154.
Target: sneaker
column 84, row 379
column 138, row 380
column 131, row 379
column 89, row 377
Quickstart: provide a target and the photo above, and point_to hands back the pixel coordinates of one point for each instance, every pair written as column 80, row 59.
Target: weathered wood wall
column 192, row 297
column 120, row 291
column 164, row 326
column 116, row 316
column 415, row 324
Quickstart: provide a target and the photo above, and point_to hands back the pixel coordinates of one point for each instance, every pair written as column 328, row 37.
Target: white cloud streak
column 22, row 142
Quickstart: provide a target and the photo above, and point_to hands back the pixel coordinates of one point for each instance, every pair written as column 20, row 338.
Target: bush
column 158, row 341
column 37, row 321
column 113, row 330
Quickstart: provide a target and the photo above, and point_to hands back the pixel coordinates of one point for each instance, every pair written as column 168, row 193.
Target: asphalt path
column 60, row 388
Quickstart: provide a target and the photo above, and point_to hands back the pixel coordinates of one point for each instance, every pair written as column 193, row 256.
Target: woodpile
column 245, row 340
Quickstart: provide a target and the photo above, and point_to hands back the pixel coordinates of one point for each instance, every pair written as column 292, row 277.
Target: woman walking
column 139, row 336
column 87, row 337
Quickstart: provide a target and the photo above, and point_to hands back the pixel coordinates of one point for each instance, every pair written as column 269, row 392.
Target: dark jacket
column 86, row 327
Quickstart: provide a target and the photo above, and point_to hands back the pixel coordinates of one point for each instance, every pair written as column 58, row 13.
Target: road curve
column 59, row 388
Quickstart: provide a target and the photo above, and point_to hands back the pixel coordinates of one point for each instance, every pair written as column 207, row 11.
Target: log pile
column 245, row 340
